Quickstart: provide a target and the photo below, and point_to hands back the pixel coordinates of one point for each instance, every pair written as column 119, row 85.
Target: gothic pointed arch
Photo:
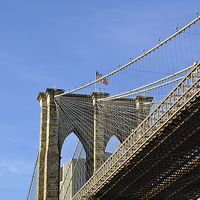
column 111, row 146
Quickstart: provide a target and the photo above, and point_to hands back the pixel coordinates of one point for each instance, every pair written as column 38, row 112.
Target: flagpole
column 95, row 80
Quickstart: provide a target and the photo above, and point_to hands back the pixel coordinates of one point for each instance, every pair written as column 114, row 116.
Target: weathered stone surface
column 42, row 145
column 99, row 135
column 49, row 155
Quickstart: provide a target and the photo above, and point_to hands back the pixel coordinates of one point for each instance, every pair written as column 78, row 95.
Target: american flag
column 104, row 80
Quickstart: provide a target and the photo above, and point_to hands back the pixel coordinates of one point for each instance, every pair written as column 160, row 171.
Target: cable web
column 97, row 121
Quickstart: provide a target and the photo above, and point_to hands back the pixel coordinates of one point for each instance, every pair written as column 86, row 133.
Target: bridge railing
column 185, row 90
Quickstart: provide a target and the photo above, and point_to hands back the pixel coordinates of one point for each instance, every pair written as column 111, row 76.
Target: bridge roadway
column 161, row 158
column 166, row 167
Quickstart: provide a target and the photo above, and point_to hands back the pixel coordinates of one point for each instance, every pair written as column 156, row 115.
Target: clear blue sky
column 47, row 43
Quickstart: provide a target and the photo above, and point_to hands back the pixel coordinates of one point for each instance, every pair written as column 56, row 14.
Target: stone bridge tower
column 54, row 130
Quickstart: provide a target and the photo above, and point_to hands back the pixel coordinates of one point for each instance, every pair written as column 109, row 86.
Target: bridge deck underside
column 167, row 167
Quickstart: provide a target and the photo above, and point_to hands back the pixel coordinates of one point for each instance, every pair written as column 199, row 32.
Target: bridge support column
column 49, row 155
column 42, row 145
column 99, row 141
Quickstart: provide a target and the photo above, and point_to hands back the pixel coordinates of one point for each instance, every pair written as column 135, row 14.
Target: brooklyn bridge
column 138, row 128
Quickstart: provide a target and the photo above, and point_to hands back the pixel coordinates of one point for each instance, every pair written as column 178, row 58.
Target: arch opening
column 68, row 149
column 111, row 146
column 73, row 167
